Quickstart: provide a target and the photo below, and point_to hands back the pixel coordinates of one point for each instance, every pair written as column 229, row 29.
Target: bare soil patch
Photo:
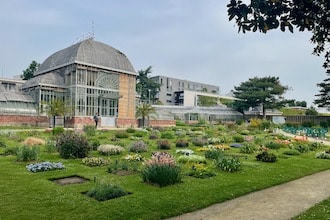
column 70, row 180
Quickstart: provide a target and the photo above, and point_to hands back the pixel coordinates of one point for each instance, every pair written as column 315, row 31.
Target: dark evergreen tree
column 28, row 73
column 146, row 87
column 324, row 95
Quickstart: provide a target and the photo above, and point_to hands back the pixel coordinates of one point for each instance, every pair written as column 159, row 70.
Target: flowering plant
column 44, row 166
column 184, row 151
column 161, row 157
column 95, row 161
column 133, row 157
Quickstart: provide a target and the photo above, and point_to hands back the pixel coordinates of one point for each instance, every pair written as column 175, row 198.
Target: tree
column 143, row 110
column 146, row 87
column 57, row 107
column 265, row 92
column 324, row 98
column 207, row 101
column 266, row 15
column 28, row 73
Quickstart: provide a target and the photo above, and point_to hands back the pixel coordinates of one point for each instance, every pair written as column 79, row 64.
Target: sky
column 185, row 39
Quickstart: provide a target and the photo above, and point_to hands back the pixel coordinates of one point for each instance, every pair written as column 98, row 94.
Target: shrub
column 108, row 149
column 58, row 130
column 238, row 138
column 103, row 192
column 228, row 164
column 72, row 145
column 273, row 145
column 191, row 159
column 323, row 155
column 138, row 147
column 139, row 134
column 302, row 148
column 163, row 144
column 213, row 154
column 94, row 143
column 11, row 151
column 133, row 157
column 26, row 153
column 50, row 146
column 153, row 136
column 130, row 130
column 181, row 143
column 89, row 130
column 200, row 142
column 95, row 161
column 167, row 135
column 315, row 145
column 44, row 166
column 266, row 156
column 161, row 170
column 248, row 148
column 121, row 134
column 200, row 171
column 2, row 143
column 291, row 152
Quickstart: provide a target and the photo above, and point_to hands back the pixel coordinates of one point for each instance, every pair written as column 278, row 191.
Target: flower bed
column 44, row 166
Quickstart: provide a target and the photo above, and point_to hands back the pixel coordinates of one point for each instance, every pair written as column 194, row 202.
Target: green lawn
column 27, row 195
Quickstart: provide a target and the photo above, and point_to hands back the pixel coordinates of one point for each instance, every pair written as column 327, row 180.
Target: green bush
column 163, row 144
column 248, row 148
column 302, row 149
column 121, row 134
column 191, row 159
column 181, row 143
column 130, row 130
column 228, row 164
column 167, row 135
column 119, row 165
column 323, row 155
column 273, row 145
column 95, row 143
column 291, row 152
column 103, row 192
column 72, row 145
column 213, row 154
column 138, row 147
column 139, row 134
column 50, row 146
column 153, row 136
column 89, row 130
column 238, row 138
column 11, row 151
column 2, row 143
column 27, row 153
column 265, row 156
column 200, row 171
column 58, row 130
column 161, row 174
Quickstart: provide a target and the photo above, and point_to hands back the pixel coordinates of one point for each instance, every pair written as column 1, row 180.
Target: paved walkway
column 276, row 203
column 280, row 202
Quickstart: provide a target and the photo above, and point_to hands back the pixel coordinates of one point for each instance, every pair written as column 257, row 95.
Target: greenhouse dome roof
column 89, row 52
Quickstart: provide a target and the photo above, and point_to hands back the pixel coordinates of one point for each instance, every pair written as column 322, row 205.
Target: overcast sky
column 186, row 39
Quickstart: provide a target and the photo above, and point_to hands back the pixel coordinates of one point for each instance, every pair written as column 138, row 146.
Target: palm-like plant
column 143, row 110
column 57, row 107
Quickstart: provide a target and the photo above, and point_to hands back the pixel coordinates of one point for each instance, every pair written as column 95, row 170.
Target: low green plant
column 121, row 134
column 58, row 130
column 238, row 138
column 291, row 152
column 302, row 148
column 200, row 142
column 228, row 163
column 130, row 130
column 273, row 145
column 11, row 151
column 153, row 136
column 50, row 146
column 163, row 144
column 2, row 143
column 138, row 147
column 94, row 143
column 200, row 171
column 248, row 148
column 213, row 154
column 191, row 159
column 95, row 161
column 89, row 130
column 72, row 145
column 103, row 192
column 266, row 156
column 27, row 153
column 123, row 165
column 186, row 152
column 167, row 135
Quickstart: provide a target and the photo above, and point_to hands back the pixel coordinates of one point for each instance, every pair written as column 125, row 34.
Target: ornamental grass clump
column 95, row 161
column 72, row 145
column 27, row 153
column 163, row 144
column 44, row 166
column 108, row 149
column 161, row 170
column 103, row 192
column 138, row 147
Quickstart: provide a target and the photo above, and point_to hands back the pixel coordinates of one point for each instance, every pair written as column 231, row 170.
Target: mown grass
column 318, row 211
column 26, row 195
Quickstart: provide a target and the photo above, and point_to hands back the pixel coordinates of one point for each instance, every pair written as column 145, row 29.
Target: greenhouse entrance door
column 109, row 111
